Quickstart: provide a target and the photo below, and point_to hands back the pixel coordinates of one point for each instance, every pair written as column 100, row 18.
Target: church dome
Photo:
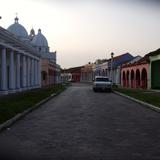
column 40, row 40
column 18, row 29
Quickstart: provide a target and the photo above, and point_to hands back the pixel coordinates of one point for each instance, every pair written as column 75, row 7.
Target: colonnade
column 19, row 71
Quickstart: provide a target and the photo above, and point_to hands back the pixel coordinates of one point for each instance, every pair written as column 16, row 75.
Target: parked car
column 102, row 83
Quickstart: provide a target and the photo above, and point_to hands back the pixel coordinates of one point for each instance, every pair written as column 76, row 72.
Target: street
column 80, row 124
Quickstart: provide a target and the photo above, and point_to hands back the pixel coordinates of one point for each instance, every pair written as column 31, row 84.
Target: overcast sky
column 85, row 30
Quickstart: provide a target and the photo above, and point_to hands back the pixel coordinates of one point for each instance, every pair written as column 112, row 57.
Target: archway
column 144, row 78
column 127, row 79
column 124, row 79
column 132, row 79
column 138, row 78
column 44, row 78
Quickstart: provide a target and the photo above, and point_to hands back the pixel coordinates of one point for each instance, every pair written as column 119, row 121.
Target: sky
column 82, row 31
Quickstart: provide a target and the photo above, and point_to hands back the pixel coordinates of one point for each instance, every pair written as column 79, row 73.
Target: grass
column 13, row 104
column 143, row 95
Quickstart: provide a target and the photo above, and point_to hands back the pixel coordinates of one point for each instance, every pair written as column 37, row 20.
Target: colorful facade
column 87, row 73
column 136, row 75
column 48, row 73
column 104, row 69
column 118, row 61
column 100, row 69
column 72, row 74
column 48, row 59
column 154, row 69
column 143, row 73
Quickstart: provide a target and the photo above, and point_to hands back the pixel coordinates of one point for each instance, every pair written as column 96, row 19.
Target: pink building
column 48, row 73
column 48, row 59
column 136, row 75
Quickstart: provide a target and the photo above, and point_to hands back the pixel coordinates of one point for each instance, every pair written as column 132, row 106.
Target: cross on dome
column 39, row 31
column 16, row 19
column 18, row 29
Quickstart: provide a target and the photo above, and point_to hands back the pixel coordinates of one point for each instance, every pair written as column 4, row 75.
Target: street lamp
column 112, row 54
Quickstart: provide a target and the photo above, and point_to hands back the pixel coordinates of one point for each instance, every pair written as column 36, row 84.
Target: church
column 25, row 60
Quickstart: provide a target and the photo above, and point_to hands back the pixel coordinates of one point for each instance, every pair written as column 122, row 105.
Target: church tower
column 32, row 34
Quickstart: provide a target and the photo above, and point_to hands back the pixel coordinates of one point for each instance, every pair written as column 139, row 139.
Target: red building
column 75, row 73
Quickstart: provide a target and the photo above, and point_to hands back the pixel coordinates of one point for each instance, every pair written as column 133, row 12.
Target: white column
column 18, row 71
column 39, row 73
column 35, row 73
column 32, row 72
column 28, row 72
column 24, row 71
column 11, row 71
column 4, row 70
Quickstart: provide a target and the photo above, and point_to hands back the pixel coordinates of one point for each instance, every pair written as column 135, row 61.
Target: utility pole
column 112, row 54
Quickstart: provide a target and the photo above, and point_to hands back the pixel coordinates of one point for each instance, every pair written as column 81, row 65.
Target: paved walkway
column 82, row 125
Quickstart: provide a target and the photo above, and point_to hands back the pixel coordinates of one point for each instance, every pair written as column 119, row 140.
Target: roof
column 11, row 40
column 18, row 29
column 73, row 70
column 39, row 40
column 153, row 53
column 121, row 59
column 143, row 60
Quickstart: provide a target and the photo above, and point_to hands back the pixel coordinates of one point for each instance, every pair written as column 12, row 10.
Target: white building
column 101, row 69
column 25, row 60
column 19, row 61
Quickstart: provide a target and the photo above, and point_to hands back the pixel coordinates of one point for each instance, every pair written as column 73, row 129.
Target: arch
column 106, row 72
column 127, row 77
column 132, row 78
column 103, row 72
column 44, row 78
column 99, row 72
column 144, row 78
column 124, row 79
column 138, row 79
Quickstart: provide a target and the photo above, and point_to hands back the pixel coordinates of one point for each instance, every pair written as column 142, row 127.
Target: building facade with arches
column 136, row 75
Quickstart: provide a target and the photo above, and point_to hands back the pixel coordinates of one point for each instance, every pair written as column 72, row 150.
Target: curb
column 19, row 116
column 150, row 106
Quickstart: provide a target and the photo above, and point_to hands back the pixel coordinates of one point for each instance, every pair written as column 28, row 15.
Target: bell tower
column 32, row 34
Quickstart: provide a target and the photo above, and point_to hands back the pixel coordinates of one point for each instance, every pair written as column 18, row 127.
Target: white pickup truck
column 102, row 83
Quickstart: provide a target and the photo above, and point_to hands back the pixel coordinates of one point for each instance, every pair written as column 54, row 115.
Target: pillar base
column 24, row 89
column 29, row 88
column 18, row 89
column 3, row 93
column 11, row 91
